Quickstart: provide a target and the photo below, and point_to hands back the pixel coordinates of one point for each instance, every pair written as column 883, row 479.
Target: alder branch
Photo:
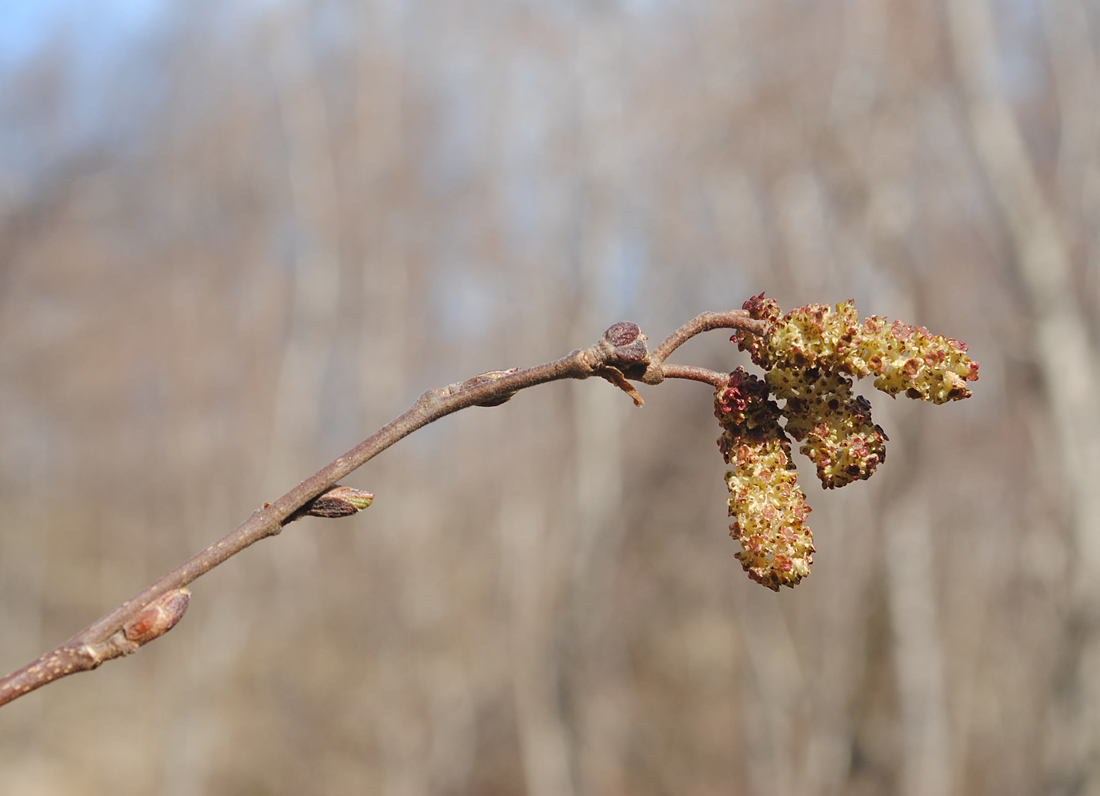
column 708, row 321
column 693, row 373
column 620, row 355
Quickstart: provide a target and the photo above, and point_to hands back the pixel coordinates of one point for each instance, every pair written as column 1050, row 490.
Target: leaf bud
column 157, row 618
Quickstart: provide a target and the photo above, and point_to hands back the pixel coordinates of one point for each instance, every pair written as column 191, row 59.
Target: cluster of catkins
column 811, row 356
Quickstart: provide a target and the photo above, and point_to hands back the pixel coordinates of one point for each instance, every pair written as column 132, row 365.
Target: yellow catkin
column 904, row 359
column 811, row 356
column 767, row 505
column 833, row 425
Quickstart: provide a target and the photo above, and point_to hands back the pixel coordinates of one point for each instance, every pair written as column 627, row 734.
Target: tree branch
column 152, row 612
column 692, row 373
column 734, row 319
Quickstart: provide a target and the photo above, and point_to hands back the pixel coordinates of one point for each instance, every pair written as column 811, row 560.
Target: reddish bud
column 157, row 618
column 629, row 342
column 622, row 333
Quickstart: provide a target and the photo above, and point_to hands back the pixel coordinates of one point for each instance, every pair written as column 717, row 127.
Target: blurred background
column 238, row 237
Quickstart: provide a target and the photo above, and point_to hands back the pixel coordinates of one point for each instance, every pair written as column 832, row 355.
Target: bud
column 340, row 501
column 629, row 342
column 157, row 618
column 486, row 378
column 623, row 333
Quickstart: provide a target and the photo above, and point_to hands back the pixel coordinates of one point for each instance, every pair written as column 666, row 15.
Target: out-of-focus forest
column 239, row 237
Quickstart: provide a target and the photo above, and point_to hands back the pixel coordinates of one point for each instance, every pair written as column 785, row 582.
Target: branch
column 619, row 356
column 734, row 319
column 692, row 373
column 155, row 610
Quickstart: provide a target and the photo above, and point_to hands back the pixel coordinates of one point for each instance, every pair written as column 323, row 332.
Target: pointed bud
column 485, row 378
column 340, row 501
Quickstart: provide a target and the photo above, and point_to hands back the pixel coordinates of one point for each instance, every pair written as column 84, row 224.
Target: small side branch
column 734, row 319
column 711, row 377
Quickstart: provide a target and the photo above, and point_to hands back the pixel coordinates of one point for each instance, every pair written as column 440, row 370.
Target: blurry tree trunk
column 597, row 667
column 315, row 267
column 927, row 765
column 311, row 224
column 380, row 160
column 1076, row 73
column 773, row 697
column 1066, row 359
column 533, row 562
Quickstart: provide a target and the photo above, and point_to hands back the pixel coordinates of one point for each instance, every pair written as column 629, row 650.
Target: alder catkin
column 811, row 356
column 766, row 502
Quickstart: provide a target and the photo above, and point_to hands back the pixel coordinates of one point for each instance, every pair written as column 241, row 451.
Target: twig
column 711, row 377
column 620, row 355
column 734, row 319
